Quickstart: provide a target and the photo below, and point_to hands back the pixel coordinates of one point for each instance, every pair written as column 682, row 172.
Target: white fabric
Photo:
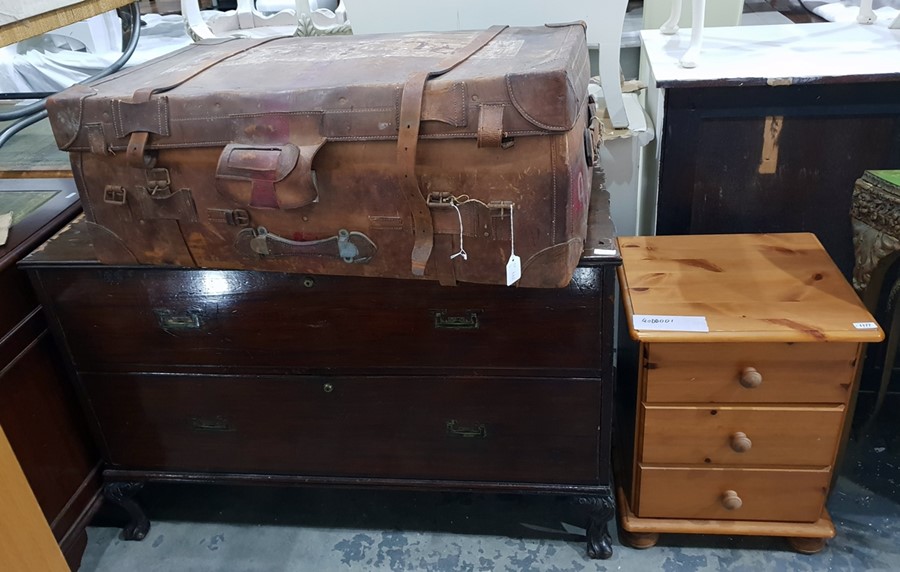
column 52, row 69
column 848, row 10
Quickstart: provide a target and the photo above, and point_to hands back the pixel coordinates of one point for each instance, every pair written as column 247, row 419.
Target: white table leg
column 611, row 22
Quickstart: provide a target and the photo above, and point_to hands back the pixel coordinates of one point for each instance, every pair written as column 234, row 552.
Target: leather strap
column 137, row 144
column 490, row 125
column 408, row 138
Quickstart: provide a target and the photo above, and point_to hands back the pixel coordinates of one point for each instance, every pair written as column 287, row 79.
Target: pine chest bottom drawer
column 794, row 495
column 473, row 429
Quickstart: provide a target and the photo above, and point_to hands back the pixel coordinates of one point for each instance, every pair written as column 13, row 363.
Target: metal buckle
column 158, row 181
column 114, row 195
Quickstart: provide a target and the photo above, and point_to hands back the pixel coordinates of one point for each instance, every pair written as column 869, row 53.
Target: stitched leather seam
column 518, row 106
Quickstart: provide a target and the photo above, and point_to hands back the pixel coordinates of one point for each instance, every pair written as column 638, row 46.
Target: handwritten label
column 865, row 325
column 670, row 323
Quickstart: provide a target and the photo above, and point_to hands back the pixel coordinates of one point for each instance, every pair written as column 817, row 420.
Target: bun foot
column 639, row 540
column 807, row 545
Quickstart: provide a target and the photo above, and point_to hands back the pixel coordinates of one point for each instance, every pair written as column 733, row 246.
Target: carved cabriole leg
column 602, row 509
column 120, row 493
column 807, row 545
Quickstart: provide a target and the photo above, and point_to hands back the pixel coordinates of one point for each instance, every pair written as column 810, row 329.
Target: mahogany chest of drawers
column 261, row 377
column 734, row 430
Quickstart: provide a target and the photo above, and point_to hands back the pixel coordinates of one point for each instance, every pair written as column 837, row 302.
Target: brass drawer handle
column 750, row 378
column 740, row 443
column 477, row 432
column 171, row 320
column 467, row 321
column 731, row 500
column 217, row 424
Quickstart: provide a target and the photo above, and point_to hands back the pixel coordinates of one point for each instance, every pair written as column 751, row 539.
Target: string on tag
column 462, row 251
column 512, row 231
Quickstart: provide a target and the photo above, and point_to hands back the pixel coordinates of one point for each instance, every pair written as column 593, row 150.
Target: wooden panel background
column 774, row 159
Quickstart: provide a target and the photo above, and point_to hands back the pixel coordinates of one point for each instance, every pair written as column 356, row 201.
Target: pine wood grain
column 822, row 528
column 26, row 542
column 794, row 436
column 710, row 373
column 772, row 287
column 793, row 495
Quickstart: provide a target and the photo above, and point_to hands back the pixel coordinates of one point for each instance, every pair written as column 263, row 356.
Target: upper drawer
column 144, row 319
column 720, row 372
column 511, row 430
column 791, row 436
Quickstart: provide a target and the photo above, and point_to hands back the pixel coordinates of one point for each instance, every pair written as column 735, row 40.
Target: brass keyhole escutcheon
column 328, row 388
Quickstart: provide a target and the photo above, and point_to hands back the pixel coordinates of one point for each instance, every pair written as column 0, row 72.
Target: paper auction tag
column 670, row 323
column 513, row 270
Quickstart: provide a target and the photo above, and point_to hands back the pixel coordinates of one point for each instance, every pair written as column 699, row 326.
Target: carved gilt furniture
column 209, row 376
column 875, row 213
column 735, row 430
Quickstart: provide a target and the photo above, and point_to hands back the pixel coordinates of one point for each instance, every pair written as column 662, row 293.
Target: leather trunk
column 427, row 156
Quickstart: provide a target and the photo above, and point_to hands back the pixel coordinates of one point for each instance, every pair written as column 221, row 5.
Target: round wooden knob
column 731, row 500
column 740, row 442
column 751, row 378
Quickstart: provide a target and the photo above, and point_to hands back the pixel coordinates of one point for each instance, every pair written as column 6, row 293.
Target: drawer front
column 764, row 494
column 140, row 319
column 514, row 430
column 712, row 373
column 793, row 436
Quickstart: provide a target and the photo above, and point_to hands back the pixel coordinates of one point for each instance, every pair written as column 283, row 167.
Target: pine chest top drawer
column 794, row 436
column 145, row 319
column 392, row 427
column 796, row 495
column 749, row 372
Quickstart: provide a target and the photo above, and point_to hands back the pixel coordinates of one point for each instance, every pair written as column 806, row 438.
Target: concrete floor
column 247, row 529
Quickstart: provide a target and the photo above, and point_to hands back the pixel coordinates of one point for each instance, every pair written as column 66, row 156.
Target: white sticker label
column 670, row 323
column 513, row 270
column 604, row 251
column 865, row 325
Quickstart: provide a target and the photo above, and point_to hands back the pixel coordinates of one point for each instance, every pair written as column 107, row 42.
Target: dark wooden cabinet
column 756, row 158
column 261, row 377
column 38, row 409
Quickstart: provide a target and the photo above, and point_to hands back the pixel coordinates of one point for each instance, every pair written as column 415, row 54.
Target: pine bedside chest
column 736, row 387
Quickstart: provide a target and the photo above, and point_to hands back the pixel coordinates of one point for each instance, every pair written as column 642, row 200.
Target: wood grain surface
column 26, row 542
column 777, row 435
column 749, row 287
column 710, row 373
column 768, row 494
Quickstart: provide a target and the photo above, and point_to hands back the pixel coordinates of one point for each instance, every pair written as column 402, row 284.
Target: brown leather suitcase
column 431, row 155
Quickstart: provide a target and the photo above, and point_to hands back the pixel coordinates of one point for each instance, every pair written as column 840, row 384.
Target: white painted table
column 770, row 131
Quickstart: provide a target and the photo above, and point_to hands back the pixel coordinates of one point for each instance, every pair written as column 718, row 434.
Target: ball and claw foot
column 120, row 493
column 599, row 543
column 807, row 545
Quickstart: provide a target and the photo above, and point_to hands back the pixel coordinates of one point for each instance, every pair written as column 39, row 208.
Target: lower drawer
column 514, row 430
column 758, row 494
